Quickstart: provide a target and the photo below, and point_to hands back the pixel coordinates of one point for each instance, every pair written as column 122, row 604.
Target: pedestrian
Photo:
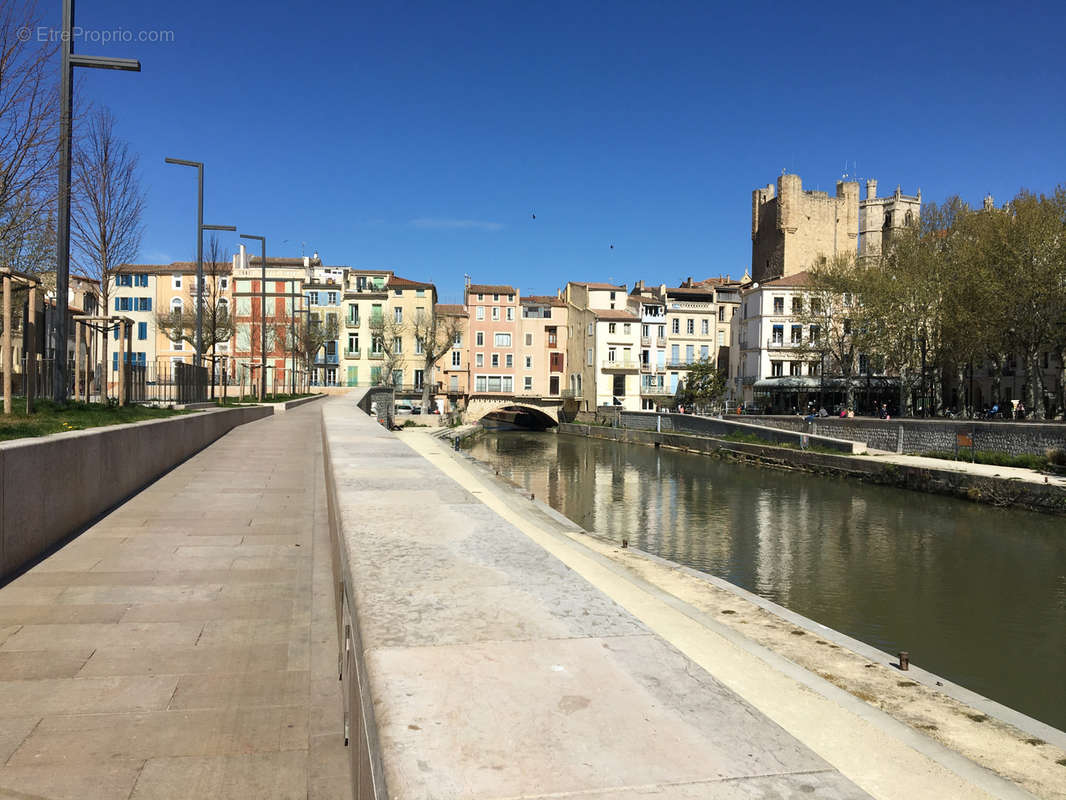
column 1021, row 410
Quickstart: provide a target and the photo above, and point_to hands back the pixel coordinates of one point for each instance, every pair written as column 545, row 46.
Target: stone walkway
column 184, row 646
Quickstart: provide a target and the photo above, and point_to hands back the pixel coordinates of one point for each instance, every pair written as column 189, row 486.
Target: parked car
column 404, row 407
column 416, row 409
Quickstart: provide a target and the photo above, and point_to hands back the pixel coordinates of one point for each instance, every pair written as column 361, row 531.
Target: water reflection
column 974, row 593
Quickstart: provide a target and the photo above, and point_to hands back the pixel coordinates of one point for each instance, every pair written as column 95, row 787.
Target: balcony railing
column 645, row 341
column 645, row 366
column 660, row 342
column 327, row 358
column 630, row 366
column 680, row 364
column 779, row 344
column 352, row 323
column 376, row 356
column 349, row 353
column 570, row 394
column 655, row 391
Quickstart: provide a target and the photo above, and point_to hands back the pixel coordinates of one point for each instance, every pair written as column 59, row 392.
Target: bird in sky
column 533, row 215
column 612, row 247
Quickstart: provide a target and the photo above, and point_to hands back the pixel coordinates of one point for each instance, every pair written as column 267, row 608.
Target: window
column 479, row 359
column 662, row 331
column 397, row 314
column 458, row 340
column 721, row 313
column 797, row 305
column 331, row 298
column 480, row 312
column 495, row 312
column 529, row 362
column 480, row 338
column 418, row 346
column 420, row 292
column 420, row 376
column 775, row 368
column 495, row 298
column 815, row 332
column 353, row 342
column 144, row 303
column 527, row 382
column 778, row 335
column 864, row 364
column 175, row 305
column 797, row 334
column 510, row 314
column 590, row 329
column 676, row 327
column 480, row 297
column 721, row 338
column 495, row 359
column 457, row 358
column 704, row 352
column 529, row 340
column 176, row 281
column 813, row 368
column 690, row 353
column 312, row 298
column 779, row 305
column 398, row 292
column 816, row 305
column 644, row 331
column 376, row 345
column 508, row 360
column 223, row 284
column 142, row 331
column 611, row 327
column 690, row 327
column 675, row 354
column 588, row 357
column 612, row 295
column 626, row 328
column 611, row 355
column 123, row 280
column 502, row 340
column 510, row 298
column 397, row 345
column 705, row 327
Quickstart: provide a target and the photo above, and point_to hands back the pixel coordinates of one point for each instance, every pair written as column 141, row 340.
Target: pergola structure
column 102, row 325
column 12, row 278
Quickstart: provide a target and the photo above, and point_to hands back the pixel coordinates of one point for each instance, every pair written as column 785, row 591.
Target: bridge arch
column 545, row 409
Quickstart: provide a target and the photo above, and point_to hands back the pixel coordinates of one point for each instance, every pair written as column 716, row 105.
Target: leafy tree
column 704, row 385
column 311, row 337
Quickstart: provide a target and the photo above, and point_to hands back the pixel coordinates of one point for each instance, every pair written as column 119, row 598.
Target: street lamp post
column 308, row 323
column 200, row 228
column 262, row 309
column 66, row 110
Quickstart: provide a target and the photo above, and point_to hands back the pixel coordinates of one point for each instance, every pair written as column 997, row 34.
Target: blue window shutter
column 116, row 333
column 114, row 361
column 142, row 330
column 116, row 304
column 148, row 302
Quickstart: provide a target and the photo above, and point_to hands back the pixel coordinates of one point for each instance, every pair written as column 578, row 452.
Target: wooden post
column 31, row 349
column 77, row 361
column 7, row 345
column 121, row 362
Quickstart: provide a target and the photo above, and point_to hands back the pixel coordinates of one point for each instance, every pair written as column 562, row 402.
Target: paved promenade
column 184, row 646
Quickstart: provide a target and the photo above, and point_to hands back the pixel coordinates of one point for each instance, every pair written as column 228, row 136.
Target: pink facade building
column 493, row 320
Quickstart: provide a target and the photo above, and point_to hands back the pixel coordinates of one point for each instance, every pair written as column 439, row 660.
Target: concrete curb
column 281, row 408
column 52, row 486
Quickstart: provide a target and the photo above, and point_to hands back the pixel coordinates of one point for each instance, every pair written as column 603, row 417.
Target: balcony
column 646, row 366
column 680, row 364
column 349, row 353
column 660, row 342
column 352, row 323
column 327, row 358
column 645, row 341
column 781, row 344
column 619, row 366
column 654, row 391
column 376, row 356
column 570, row 394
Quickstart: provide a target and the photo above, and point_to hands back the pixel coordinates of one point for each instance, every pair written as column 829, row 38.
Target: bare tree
column 29, row 107
column 218, row 326
column 106, row 209
column 435, row 333
column 311, row 336
column 386, row 336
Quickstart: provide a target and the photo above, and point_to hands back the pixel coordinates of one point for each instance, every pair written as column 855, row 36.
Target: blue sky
column 420, row 136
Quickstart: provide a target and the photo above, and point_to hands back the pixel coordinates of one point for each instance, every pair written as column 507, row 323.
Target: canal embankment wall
column 476, row 663
column 917, row 436
column 52, row 486
column 664, row 422
column 982, row 488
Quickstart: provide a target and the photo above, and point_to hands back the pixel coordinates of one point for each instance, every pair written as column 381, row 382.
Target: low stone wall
column 51, row 486
column 1002, row 492
column 710, row 426
column 916, row 436
column 281, row 408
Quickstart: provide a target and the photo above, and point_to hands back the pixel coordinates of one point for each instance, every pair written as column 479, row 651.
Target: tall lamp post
column 200, row 228
column 262, row 310
column 66, row 110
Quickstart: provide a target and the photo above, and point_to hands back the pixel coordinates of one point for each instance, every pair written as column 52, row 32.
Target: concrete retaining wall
column 51, row 486
column 280, row 408
column 923, row 436
column 709, row 426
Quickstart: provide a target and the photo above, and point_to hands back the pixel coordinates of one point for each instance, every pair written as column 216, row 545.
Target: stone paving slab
column 185, row 645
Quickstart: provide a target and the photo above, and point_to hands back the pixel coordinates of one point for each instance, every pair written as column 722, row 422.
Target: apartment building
column 691, row 328
column 323, row 296
column 603, row 346
column 365, row 297
column 409, row 308
column 647, row 303
column 542, row 346
column 285, row 278
column 453, row 368
column 133, row 289
column 493, row 320
column 177, row 293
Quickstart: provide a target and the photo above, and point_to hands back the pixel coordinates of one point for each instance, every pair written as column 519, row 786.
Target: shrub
column 1056, row 456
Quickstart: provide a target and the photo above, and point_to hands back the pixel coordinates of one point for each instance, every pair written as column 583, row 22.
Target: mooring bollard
column 904, row 660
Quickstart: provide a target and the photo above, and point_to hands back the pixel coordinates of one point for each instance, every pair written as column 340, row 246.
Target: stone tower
column 793, row 229
column 880, row 217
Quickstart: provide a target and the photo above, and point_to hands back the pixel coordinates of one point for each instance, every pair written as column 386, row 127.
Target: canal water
column 974, row 593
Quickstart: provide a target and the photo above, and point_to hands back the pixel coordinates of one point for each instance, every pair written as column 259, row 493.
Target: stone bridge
column 481, row 405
